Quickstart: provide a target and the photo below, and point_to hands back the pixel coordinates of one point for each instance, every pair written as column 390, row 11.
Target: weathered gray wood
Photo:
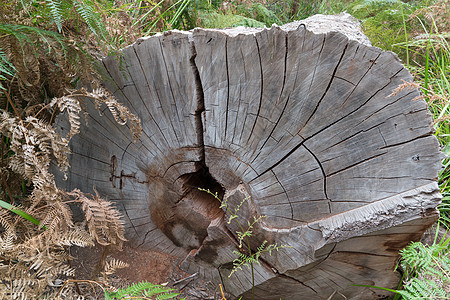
column 296, row 117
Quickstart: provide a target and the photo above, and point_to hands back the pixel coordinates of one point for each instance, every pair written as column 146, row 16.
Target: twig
column 41, row 110
column 100, row 266
column 90, row 282
column 77, row 287
column 186, row 278
column 8, row 97
column 221, row 291
column 186, row 281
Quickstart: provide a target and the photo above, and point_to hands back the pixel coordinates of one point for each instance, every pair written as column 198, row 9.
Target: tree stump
column 300, row 118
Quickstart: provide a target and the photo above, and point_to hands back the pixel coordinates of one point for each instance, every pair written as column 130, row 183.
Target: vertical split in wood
column 200, row 109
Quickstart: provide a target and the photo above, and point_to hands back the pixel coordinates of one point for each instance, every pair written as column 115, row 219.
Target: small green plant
column 426, row 271
column 249, row 257
column 382, row 20
column 143, row 290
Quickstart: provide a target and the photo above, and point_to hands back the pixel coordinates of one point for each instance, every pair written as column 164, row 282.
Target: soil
column 151, row 266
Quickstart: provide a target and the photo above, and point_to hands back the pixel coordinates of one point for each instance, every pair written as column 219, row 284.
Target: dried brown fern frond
column 112, row 265
column 34, row 259
column 39, row 264
column 39, row 70
column 73, row 104
column 8, row 233
column 103, row 219
column 19, row 283
column 34, row 144
column 73, row 108
column 34, row 276
column 121, row 113
column 56, row 218
column 76, row 236
column 50, row 264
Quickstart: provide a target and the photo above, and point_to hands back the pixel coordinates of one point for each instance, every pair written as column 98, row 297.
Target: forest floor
column 144, row 265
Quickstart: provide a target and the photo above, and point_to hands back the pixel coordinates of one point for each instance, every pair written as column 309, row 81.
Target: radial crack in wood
column 300, row 120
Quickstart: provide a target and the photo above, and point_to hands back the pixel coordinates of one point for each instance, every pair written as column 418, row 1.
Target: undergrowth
column 427, row 270
column 143, row 290
column 42, row 58
column 33, row 255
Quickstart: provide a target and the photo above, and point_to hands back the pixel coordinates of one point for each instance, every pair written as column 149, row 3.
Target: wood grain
column 301, row 121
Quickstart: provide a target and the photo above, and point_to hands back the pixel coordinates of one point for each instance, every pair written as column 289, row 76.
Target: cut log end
column 303, row 124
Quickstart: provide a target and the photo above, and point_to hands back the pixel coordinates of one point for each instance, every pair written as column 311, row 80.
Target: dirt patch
column 151, row 266
column 148, row 266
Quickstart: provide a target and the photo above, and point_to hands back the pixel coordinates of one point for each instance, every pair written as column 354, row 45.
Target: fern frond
column 103, row 219
column 244, row 260
column 34, row 144
column 167, row 295
column 8, row 235
column 6, row 68
column 143, row 289
column 56, row 12
column 57, row 220
column 119, row 111
column 27, row 34
column 422, row 289
column 76, row 237
column 262, row 247
column 427, row 269
column 49, row 141
column 73, row 108
column 113, row 265
column 87, row 12
column 62, row 269
column 72, row 103
column 19, row 283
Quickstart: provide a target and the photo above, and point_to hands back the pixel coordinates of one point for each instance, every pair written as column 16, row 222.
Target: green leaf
column 143, row 289
column 87, row 12
column 6, row 67
column 55, row 11
column 19, row 212
column 446, row 150
column 376, row 287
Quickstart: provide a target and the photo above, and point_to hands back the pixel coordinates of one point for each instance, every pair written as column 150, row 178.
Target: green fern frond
column 263, row 14
column 6, row 68
column 87, row 12
column 418, row 257
column 427, row 269
column 244, row 260
column 56, row 12
column 142, row 289
column 28, row 34
column 422, row 289
column 167, row 296
column 262, row 246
